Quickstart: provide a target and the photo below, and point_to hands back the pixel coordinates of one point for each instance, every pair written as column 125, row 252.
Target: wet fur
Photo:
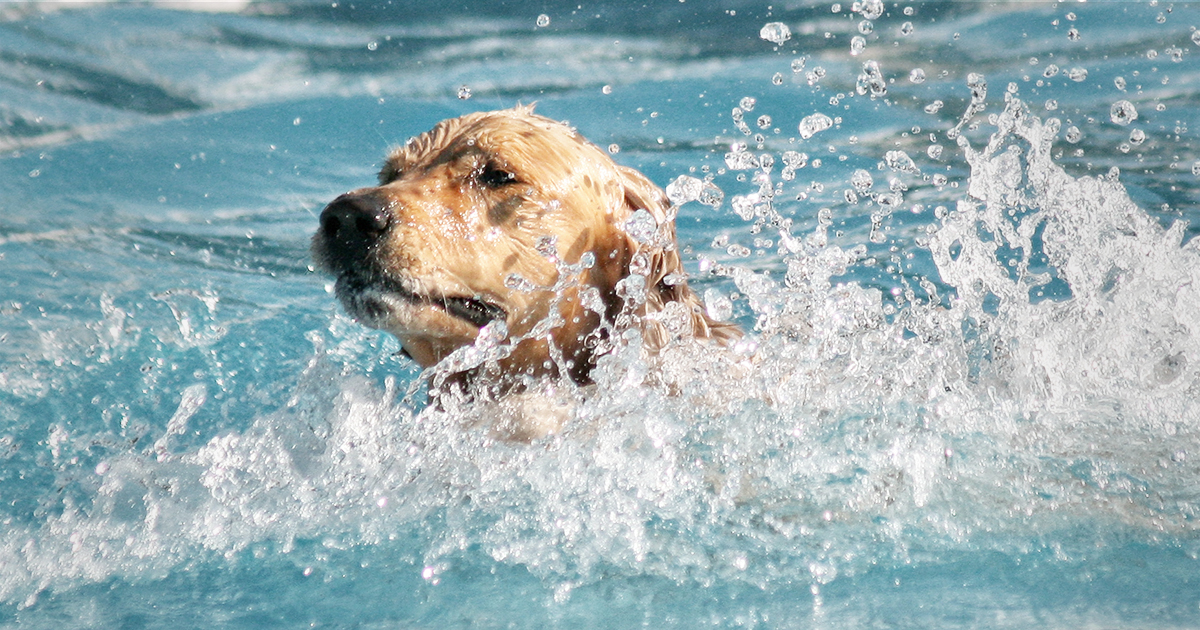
column 497, row 212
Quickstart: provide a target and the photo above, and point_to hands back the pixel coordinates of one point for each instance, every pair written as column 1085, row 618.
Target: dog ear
column 661, row 298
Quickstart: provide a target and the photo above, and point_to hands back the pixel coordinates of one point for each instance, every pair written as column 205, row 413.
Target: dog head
column 509, row 216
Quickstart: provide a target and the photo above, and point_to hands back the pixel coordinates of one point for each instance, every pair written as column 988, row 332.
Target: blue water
column 973, row 401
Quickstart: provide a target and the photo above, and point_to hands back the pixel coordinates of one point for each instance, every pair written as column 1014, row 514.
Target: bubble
column 747, row 103
column 543, row 20
column 606, row 89
column 798, row 64
column 866, row 27
column 934, row 151
column 916, row 75
column 1120, row 83
column 814, row 124
column 764, row 121
column 614, row 148
column 775, row 32
column 464, row 93
column 777, row 78
column 1196, row 164
column 1137, row 136
column 1073, row 35
column 1051, row 105
column 372, row 45
column 1077, row 75
column 1196, row 37
column 1073, row 134
column 934, row 107
column 906, row 29
column 815, row 75
column 1123, row 112
column 1051, row 70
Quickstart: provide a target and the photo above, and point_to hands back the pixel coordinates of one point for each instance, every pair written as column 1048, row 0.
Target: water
column 962, row 235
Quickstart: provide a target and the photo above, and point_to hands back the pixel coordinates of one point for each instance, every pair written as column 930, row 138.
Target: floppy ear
column 666, row 306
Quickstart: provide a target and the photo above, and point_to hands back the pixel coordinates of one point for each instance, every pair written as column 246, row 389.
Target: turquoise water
column 974, row 395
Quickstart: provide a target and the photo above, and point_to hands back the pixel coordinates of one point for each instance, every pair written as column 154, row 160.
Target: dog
column 509, row 233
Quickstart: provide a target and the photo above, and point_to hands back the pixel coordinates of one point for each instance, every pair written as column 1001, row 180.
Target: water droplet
column 775, row 32
column 1196, row 37
column 543, row 20
column 747, row 103
column 1073, row 34
column 464, row 93
column 1077, row 75
column 642, row 227
column 777, row 78
column 916, row 75
column 798, row 64
column 1051, row 70
column 1123, row 112
column 1051, row 105
column 1196, row 168
column 862, row 180
column 1120, row 83
column 1137, row 136
column 870, row 9
column 372, row 45
column 906, row 29
column 717, row 305
column 871, row 80
column 614, row 148
column 934, row 151
column 764, row 121
column 857, row 44
column 866, row 27
column 1073, row 134
column 814, row 124
column 934, row 107
column 683, row 189
column 606, row 89
column 900, row 161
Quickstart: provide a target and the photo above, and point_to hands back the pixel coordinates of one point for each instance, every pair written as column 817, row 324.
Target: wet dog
column 508, row 232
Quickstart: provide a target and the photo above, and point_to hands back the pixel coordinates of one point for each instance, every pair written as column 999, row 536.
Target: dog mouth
column 374, row 300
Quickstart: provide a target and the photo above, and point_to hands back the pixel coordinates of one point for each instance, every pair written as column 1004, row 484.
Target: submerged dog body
column 511, row 221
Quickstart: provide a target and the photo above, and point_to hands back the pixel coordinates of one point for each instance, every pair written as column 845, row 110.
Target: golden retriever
column 510, row 226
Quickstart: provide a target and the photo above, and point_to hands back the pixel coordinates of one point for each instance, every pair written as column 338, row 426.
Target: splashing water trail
column 958, row 422
column 969, row 357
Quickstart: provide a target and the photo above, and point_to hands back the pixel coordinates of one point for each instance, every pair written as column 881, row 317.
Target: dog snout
column 352, row 225
column 355, row 217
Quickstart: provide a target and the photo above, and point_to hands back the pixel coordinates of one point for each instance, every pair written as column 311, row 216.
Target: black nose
column 354, row 216
column 351, row 225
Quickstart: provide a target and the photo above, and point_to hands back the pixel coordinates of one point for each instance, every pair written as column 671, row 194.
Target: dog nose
column 354, row 218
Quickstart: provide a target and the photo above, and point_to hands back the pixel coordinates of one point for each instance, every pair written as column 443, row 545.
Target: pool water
column 960, row 235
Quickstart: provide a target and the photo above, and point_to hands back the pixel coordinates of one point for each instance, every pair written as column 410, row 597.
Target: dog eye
column 493, row 176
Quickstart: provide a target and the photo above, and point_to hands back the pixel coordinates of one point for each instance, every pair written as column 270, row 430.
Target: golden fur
column 496, row 216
